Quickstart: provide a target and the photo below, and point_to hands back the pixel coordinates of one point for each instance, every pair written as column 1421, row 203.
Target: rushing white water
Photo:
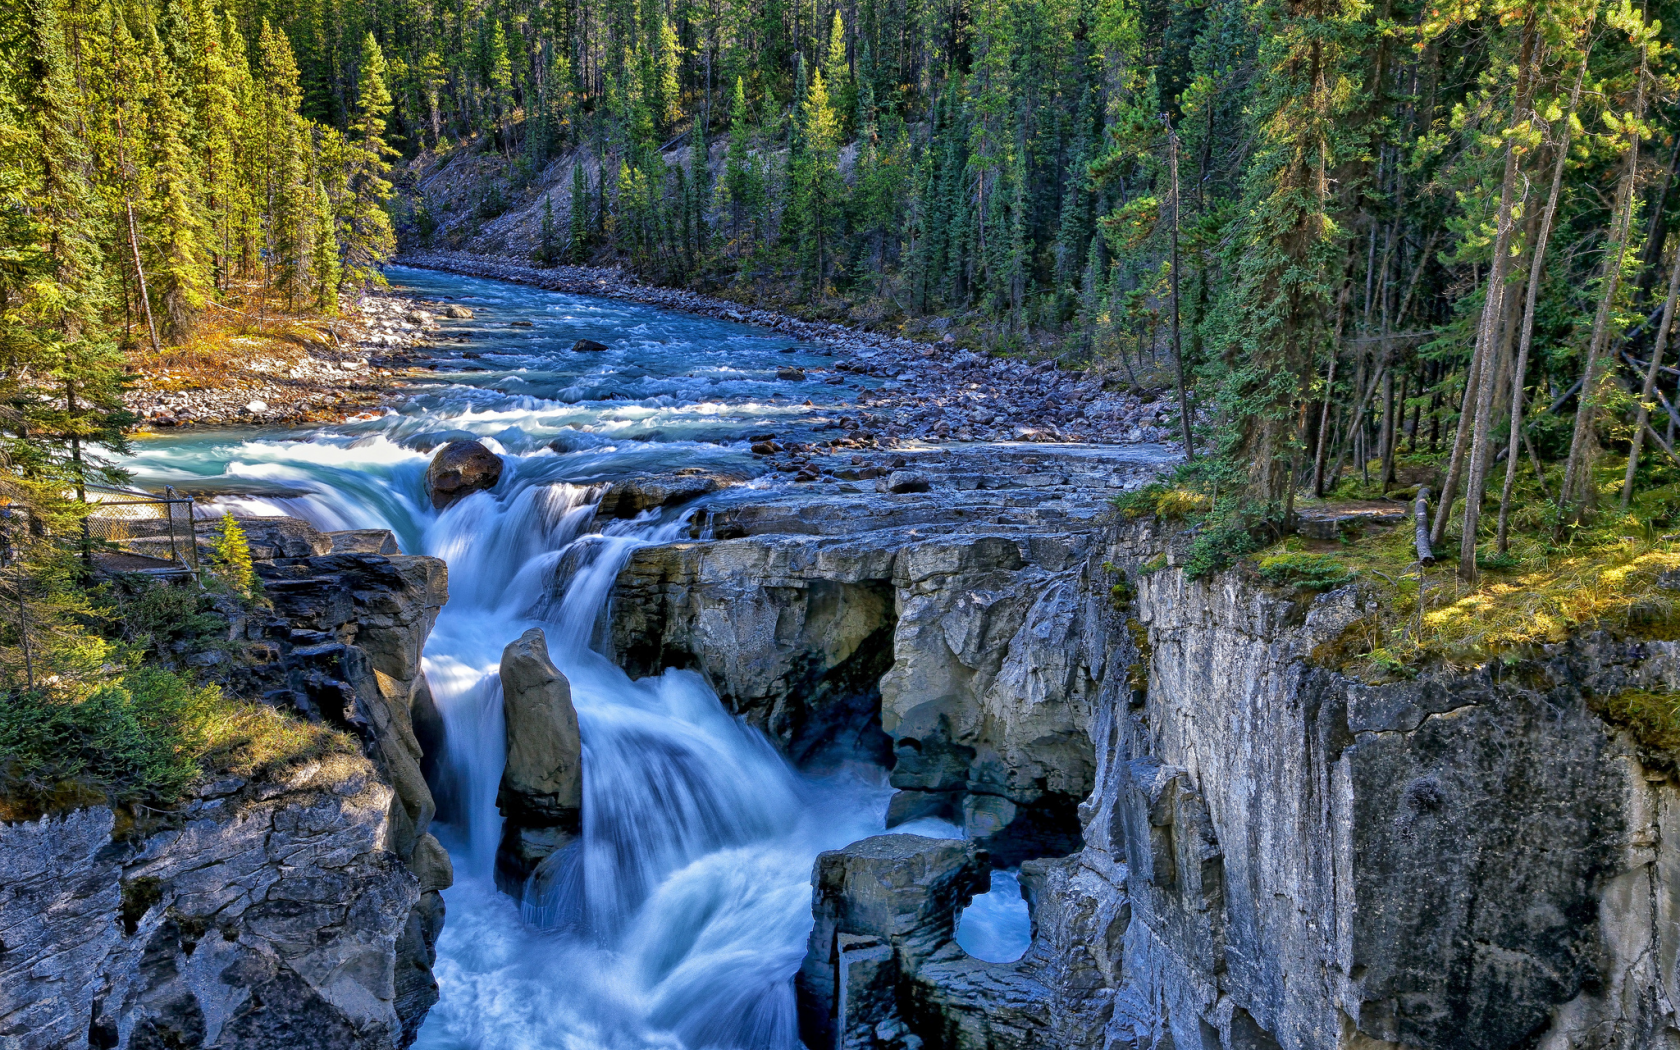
column 996, row 926
column 679, row 917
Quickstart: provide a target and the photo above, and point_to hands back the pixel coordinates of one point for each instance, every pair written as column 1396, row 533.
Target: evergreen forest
column 1361, row 245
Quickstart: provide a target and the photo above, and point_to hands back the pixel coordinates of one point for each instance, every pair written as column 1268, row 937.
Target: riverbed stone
column 541, row 793
column 459, row 469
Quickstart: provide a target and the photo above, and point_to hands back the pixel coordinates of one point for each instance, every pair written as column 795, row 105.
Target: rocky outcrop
column 541, row 793
column 267, row 917
column 932, row 631
column 343, row 644
column 882, row 908
column 883, row 971
column 1223, row 841
column 1280, row 856
column 460, row 469
column 633, row 496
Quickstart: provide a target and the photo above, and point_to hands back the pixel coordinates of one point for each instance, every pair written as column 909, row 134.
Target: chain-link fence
column 137, row 531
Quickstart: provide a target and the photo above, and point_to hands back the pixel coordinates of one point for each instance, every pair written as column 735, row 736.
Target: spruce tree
column 368, row 237
column 577, row 238
column 174, row 224
column 818, row 192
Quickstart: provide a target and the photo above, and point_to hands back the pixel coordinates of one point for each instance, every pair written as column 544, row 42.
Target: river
column 678, row 919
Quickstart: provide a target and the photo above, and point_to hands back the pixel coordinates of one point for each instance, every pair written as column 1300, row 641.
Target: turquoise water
column 680, row 916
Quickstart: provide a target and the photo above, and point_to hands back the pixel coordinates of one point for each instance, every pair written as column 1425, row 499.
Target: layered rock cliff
column 299, row 911
column 931, row 631
column 269, row 917
column 1223, row 843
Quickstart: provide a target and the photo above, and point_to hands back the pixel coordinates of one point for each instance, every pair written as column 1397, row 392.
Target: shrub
column 1217, row 549
column 1312, row 572
column 127, row 741
column 1161, row 500
column 232, row 558
column 145, row 738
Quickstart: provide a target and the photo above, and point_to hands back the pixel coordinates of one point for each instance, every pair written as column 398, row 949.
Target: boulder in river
column 588, row 346
column 459, row 469
column 541, row 793
column 882, row 908
column 457, row 312
column 795, row 375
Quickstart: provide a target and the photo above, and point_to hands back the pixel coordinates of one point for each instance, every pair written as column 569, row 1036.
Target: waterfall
column 677, row 919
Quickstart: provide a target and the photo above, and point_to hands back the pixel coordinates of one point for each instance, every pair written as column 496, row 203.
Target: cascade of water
column 678, row 918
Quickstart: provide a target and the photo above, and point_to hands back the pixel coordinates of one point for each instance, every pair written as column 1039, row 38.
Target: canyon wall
column 299, row 909
column 1223, row 843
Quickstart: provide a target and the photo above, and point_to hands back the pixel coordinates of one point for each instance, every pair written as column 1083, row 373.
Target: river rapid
column 678, row 919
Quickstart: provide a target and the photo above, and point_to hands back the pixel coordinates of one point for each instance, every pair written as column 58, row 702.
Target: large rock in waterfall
column 459, row 469
column 541, row 793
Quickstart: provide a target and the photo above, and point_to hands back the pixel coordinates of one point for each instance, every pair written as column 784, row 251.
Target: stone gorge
column 700, row 742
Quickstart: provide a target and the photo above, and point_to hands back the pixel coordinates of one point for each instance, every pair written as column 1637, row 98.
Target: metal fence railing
column 153, row 532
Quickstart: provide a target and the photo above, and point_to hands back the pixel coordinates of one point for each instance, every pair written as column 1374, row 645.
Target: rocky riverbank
column 324, row 372
column 299, row 908
column 914, row 391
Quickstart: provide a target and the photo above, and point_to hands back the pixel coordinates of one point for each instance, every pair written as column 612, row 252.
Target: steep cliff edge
column 1472, row 860
column 1265, row 851
column 267, row 918
column 302, row 908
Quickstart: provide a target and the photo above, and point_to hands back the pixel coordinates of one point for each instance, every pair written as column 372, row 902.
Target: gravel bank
column 324, row 372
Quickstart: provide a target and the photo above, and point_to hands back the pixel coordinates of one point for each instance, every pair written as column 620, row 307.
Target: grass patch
column 143, row 739
column 1652, row 718
column 1535, row 593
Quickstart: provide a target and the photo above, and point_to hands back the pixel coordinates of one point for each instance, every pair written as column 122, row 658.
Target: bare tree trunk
column 1536, row 273
column 1489, row 338
column 145, row 297
column 1661, row 345
column 1178, row 348
column 1575, row 489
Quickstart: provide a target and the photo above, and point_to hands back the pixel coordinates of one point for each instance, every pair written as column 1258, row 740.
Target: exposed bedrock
column 267, row 919
column 938, row 632
column 541, row 793
column 1473, row 860
column 1237, row 846
column 280, row 913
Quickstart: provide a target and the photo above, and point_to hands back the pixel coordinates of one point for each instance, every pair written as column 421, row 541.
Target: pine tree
column 742, row 187
column 174, row 225
column 368, row 237
column 818, row 192
column 62, row 376
column 577, row 238
column 501, row 83
column 325, row 266
column 1286, row 247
